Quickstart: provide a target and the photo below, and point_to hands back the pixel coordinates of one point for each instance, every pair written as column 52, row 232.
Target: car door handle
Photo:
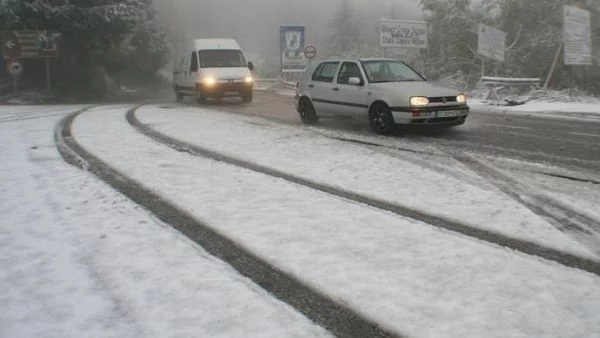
column 311, row 86
column 336, row 89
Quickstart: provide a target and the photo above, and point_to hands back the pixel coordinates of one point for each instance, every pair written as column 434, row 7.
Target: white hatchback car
column 387, row 92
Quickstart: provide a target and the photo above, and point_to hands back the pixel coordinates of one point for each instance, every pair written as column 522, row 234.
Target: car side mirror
column 250, row 65
column 355, row 81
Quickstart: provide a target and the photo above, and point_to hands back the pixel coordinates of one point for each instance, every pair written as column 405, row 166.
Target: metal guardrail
column 495, row 84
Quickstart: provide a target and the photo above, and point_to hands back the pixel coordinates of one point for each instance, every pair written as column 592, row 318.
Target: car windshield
column 390, row 71
column 221, row 58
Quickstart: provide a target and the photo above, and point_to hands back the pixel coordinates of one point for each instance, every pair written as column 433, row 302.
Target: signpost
column 15, row 69
column 403, row 34
column 291, row 40
column 491, row 42
column 310, row 52
column 32, row 44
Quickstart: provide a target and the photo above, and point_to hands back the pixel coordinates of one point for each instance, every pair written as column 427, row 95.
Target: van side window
column 194, row 64
column 325, row 72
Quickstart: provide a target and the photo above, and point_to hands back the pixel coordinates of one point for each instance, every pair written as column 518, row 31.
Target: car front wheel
column 381, row 120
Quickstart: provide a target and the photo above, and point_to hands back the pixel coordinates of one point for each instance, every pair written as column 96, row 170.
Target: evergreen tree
column 346, row 39
column 96, row 34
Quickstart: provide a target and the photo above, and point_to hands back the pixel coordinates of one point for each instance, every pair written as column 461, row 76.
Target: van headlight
column 461, row 98
column 419, row 101
column 248, row 79
column 209, row 81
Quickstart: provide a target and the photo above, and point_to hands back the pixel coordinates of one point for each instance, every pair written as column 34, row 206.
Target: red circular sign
column 14, row 68
column 310, row 51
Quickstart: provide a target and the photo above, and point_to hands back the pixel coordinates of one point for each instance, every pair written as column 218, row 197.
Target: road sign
column 291, row 39
column 310, row 52
column 403, row 34
column 15, row 68
column 30, row 44
column 491, row 42
column 577, row 35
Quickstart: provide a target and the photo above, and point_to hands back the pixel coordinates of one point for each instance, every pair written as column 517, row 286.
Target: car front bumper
column 440, row 115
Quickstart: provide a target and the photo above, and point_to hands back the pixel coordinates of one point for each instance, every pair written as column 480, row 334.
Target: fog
column 255, row 23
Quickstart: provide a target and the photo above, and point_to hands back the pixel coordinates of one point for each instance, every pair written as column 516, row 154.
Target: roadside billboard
column 30, row 44
column 403, row 34
column 291, row 41
column 577, row 36
column 491, row 42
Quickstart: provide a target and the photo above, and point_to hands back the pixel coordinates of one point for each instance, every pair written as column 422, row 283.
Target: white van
column 212, row 68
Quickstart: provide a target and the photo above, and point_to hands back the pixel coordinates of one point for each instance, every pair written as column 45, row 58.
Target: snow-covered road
column 408, row 276
column 78, row 259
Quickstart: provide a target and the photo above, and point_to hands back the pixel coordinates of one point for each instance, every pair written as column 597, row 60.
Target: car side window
column 348, row 70
column 325, row 72
column 194, row 64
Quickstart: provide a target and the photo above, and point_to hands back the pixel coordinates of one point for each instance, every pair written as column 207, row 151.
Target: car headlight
column 248, row 79
column 461, row 98
column 419, row 101
column 209, row 81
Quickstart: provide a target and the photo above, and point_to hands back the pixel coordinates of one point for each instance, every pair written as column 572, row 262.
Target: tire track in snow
column 581, row 227
column 534, row 249
column 339, row 319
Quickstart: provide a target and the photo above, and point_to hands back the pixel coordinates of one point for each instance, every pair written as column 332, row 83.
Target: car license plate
column 448, row 113
column 231, row 93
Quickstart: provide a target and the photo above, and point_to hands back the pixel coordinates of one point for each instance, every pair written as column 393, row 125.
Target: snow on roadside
column 361, row 170
column 410, row 277
column 78, row 259
column 563, row 110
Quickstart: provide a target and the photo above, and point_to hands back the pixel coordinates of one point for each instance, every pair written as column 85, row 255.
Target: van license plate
column 448, row 113
column 231, row 93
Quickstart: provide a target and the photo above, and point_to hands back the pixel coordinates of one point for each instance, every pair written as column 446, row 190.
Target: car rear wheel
column 381, row 120
column 308, row 114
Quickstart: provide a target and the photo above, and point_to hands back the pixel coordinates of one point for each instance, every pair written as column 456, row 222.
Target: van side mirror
column 250, row 65
column 355, row 81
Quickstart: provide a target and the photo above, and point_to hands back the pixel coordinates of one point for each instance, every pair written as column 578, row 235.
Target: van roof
column 215, row 44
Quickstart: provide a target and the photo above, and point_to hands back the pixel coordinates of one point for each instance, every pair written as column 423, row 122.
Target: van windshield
column 221, row 58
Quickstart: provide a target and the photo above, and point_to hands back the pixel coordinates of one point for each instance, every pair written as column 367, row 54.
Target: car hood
column 415, row 88
column 226, row 72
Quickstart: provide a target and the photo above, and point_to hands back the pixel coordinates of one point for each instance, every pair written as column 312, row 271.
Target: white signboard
column 577, row 36
column 291, row 40
column 403, row 34
column 491, row 42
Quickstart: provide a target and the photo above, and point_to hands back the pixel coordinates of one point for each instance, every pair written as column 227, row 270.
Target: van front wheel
column 178, row 95
column 247, row 98
column 200, row 99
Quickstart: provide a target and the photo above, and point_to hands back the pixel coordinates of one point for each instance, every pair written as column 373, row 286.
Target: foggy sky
column 255, row 23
